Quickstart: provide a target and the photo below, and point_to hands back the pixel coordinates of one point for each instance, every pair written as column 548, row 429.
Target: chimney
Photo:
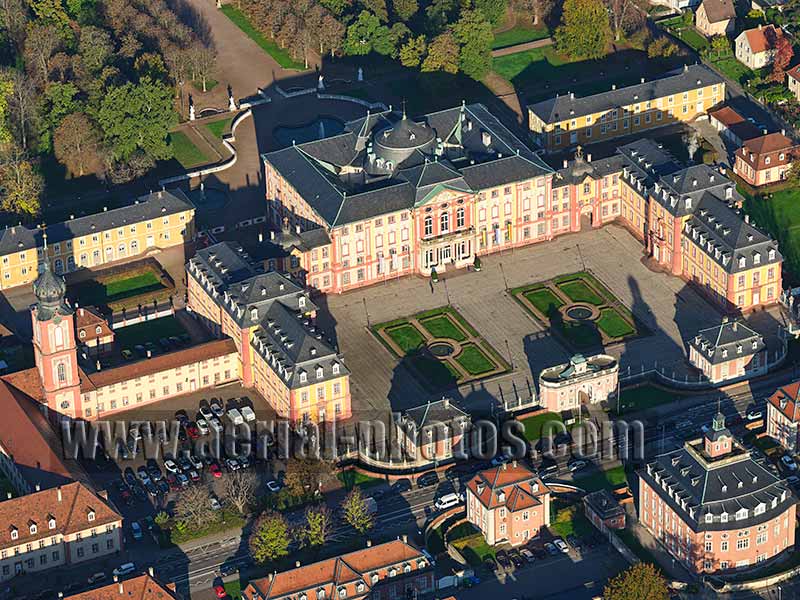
column 116, row 578
column 272, row 235
column 447, row 402
column 747, row 218
column 735, row 326
column 572, row 95
column 38, row 488
column 404, row 537
column 369, row 543
column 613, row 86
column 58, row 490
column 589, row 157
column 9, row 495
column 297, row 229
column 260, row 237
column 566, row 163
column 270, row 576
column 783, row 132
column 105, row 209
column 642, row 80
column 83, row 312
column 97, row 364
column 121, row 589
column 150, row 571
column 297, row 564
column 759, row 26
column 149, row 354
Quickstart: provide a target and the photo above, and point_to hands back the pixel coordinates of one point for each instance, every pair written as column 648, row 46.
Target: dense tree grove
column 92, row 83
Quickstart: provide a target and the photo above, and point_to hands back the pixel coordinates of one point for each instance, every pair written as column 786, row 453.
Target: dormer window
column 406, row 568
column 767, row 160
column 392, row 572
column 725, row 353
column 51, row 524
column 32, row 528
column 760, row 509
column 254, row 314
column 342, row 592
column 301, row 302
column 320, row 372
column 724, row 517
column 709, row 517
column 755, row 344
column 90, row 515
column 303, row 377
column 741, row 513
column 335, row 368
column 781, row 156
column 321, row 594
column 14, row 533
column 360, row 587
column 739, row 349
column 757, row 258
column 772, row 254
column 374, row 578
column 742, row 261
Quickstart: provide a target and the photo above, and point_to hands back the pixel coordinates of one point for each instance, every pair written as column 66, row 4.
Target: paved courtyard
column 666, row 305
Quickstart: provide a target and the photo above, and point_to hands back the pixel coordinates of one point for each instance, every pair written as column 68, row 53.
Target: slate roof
column 383, row 163
column 144, row 208
column 275, row 307
column 727, row 341
column 563, row 108
column 702, row 485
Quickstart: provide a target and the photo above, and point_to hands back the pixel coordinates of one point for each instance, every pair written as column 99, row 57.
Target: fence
column 125, row 318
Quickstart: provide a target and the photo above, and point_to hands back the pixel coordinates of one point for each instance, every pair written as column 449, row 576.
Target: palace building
column 783, row 416
column 583, row 380
column 713, row 507
column 270, row 319
column 568, row 120
column 730, row 350
column 157, row 220
column 392, row 196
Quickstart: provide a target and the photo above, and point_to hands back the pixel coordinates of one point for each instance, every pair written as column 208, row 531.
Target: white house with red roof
column 783, row 415
column 756, row 47
column 509, row 504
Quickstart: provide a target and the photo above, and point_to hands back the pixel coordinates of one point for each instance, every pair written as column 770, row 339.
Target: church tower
column 54, row 345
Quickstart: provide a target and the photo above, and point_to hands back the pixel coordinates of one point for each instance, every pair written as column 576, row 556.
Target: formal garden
column 441, row 348
column 125, row 286
column 580, row 310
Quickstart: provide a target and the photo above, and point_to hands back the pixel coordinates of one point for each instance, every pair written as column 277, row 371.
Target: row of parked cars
column 535, row 550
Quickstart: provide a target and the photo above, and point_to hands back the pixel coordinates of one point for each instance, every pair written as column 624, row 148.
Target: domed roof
column 49, row 289
column 406, row 134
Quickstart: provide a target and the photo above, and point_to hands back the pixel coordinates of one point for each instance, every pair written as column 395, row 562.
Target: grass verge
column 281, row 56
column 185, row 152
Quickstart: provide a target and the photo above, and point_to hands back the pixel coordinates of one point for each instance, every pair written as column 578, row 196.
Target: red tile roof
column 162, row 362
column 727, row 116
column 787, row 400
column 71, row 513
column 340, row 570
column 520, row 487
column 143, row 587
column 28, row 438
column 773, row 145
column 794, row 72
column 761, row 39
column 87, row 320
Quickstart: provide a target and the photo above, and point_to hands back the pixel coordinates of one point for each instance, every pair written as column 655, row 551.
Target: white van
column 235, row 416
column 248, row 414
column 124, row 569
column 447, row 501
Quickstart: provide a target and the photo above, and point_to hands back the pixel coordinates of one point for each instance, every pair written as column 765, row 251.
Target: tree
column 137, row 116
column 317, row 527
column 367, row 34
column 77, row 144
column 6, row 88
column 492, row 10
column 22, row 108
column 540, row 9
column 376, row 7
column 337, row 7
column 720, row 45
column 405, row 9
column 270, row 537
column 356, row 511
column 474, row 33
column 51, row 12
column 584, row 31
column 782, row 55
column 304, row 476
column 438, row 14
column 95, row 47
column 21, row 183
column 626, row 16
column 442, row 54
column 40, row 43
column 203, row 59
column 193, row 505
column 331, row 35
column 642, row 581
column 412, row 51
column 13, row 17
column 240, row 489
column 661, row 47
column 161, row 518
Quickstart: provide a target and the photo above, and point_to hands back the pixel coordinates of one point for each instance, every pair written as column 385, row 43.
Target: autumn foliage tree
column 782, row 54
column 642, row 581
column 76, row 143
column 585, row 31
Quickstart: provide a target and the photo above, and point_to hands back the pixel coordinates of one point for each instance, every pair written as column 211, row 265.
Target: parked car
column 489, row 564
column 428, row 479
column 502, row 559
column 516, row 558
column 124, row 569
column 172, row 481
column 194, row 476
column 144, row 476
column 576, row 465
column 215, row 505
column 561, row 545
column 185, row 464
column 216, row 425
column 244, row 462
column 183, row 480
column 202, row 426
column 548, row 470
column 248, row 414
column 196, row 462
column 550, row 549
column 448, row 501
column 127, row 354
column 228, row 569
column 153, row 470
column 793, row 480
column 205, row 411
column 400, row 486
column 192, row 431
column 235, row 416
column 788, row 462
column 136, row 530
column 754, row 414
column 232, row 464
column 163, row 486
column 214, row 469
column 181, row 417
column 219, row 590
column 96, row 578
column 216, row 408
column 171, row 466
column 151, row 488
column 130, row 477
column 573, row 541
column 527, row 555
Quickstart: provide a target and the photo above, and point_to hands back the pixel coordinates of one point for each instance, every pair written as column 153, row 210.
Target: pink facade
column 581, row 381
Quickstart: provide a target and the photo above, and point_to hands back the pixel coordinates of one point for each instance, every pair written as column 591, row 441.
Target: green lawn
column 217, row 128
column 597, row 480
column 282, row 57
column 519, row 35
column 644, row 397
column 442, row 327
column 185, row 151
column 581, row 335
column 733, row 69
column 474, row 360
column 406, row 336
column 613, row 325
column 149, row 331
column 234, row 589
column 475, row 549
column 578, row 291
column 228, row 520
column 569, row 520
column 543, row 300
column 437, row 373
column 780, row 216
column 688, row 35
column 533, row 425
column 351, row 478
column 546, row 62
column 132, row 286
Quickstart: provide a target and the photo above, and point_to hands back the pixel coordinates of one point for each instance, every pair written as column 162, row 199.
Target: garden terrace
column 441, row 348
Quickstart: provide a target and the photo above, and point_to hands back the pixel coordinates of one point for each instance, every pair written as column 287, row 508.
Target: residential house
column 715, row 17
column 755, row 48
column 603, row 510
column 783, row 416
column 141, row 587
column 432, row 432
column 732, row 126
column 765, row 159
